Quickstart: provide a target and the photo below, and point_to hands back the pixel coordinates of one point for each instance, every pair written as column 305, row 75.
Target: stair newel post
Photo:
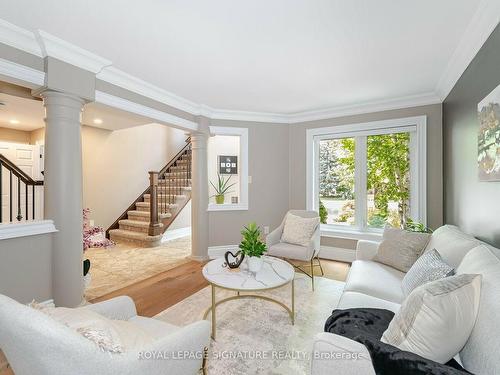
column 154, row 223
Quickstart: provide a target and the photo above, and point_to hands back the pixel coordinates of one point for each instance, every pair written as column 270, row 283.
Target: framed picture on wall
column 489, row 137
column 228, row 164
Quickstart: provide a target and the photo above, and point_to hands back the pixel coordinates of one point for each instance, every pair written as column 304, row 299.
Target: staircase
column 150, row 215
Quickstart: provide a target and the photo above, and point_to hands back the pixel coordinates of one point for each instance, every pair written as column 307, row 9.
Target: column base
column 199, row 258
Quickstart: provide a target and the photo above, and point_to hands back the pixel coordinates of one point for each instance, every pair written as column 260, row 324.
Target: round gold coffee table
column 275, row 273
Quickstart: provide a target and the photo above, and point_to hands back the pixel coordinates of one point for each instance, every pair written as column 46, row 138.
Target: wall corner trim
column 19, row 38
column 139, row 109
column 32, row 77
column 55, row 47
column 24, row 229
column 479, row 29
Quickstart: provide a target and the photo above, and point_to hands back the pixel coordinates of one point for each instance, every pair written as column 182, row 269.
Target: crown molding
column 19, row 38
column 368, row 107
column 226, row 114
column 139, row 109
column 124, row 80
column 32, row 77
column 479, row 29
column 55, row 47
column 44, row 44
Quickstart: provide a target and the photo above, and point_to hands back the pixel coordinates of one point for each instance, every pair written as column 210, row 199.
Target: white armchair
column 296, row 252
column 34, row 343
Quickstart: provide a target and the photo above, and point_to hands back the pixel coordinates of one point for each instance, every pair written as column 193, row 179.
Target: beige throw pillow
column 401, row 248
column 299, row 230
column 110, row 335
column 437, row 318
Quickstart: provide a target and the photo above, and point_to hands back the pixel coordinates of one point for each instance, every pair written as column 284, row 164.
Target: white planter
column 254, row 264
column 86, row 280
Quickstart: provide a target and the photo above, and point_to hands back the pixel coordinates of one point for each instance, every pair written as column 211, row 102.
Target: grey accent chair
column 292, row 252
column 35, row 343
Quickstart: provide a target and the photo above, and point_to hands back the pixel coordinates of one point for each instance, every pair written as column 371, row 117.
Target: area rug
column 123, row 265
column 256, row 336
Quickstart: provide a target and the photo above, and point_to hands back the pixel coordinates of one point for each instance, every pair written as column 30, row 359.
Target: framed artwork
column 228, row 164
column 489, row 137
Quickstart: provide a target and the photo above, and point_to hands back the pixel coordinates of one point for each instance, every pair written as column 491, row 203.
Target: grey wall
column 25, row 268
column 434, row 155
column 470, row 204
column 268, row 192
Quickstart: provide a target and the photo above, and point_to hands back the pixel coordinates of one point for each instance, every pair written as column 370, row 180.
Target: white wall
column 115, row 165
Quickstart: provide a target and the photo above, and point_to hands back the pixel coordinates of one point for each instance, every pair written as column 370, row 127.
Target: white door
column 26, row 158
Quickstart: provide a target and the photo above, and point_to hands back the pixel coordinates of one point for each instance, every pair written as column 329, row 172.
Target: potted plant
column 221, row 189
column 252, row 246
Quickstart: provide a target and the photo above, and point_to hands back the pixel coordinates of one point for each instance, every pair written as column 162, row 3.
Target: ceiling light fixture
column 14, row 121
column 97, row 121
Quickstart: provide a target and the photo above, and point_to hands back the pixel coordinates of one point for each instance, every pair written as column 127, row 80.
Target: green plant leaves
column 222, row 186
column 251, row 244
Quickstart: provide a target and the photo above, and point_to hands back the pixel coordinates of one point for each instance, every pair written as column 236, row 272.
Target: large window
column 362, row 177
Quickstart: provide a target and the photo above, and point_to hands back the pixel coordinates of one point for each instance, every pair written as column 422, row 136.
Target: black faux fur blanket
column 367, row 326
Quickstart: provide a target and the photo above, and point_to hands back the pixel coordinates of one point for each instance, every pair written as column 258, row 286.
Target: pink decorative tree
column 93, row 236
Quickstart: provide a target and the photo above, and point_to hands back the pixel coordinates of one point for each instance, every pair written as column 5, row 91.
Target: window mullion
column 360, row 171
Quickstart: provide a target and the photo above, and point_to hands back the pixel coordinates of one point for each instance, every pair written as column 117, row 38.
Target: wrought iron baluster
column 33, row 201
column 26, row 201
column 10, row 195
column 19, row 216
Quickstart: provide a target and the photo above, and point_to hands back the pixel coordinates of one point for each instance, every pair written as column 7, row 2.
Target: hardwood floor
column 157, row 293
column 161, row 291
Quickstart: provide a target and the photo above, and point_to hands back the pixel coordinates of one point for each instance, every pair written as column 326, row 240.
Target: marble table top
column 274, row 273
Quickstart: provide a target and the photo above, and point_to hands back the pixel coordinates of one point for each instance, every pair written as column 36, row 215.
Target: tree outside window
column 388, row 179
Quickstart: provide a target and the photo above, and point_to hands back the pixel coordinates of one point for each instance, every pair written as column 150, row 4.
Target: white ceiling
column 281, row 56
column 29, row 115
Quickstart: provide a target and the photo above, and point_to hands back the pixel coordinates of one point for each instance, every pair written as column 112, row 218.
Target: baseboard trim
column 173, row 234
column 337, row 253
column 215, row 252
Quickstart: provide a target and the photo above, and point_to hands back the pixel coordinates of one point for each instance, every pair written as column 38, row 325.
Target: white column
column 199, row 197
column 63, row 193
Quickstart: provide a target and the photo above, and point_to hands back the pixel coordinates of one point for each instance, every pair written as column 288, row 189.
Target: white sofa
column 34, row 343
column 374, row 285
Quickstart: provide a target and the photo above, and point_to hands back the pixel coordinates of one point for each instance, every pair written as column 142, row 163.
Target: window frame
column 243, row 161
column 417, row 126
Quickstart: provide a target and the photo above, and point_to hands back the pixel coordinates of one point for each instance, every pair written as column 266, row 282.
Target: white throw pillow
column 114, row 336
column 429, row 267
column 400, row 248
column 451, row 243
column 299, row 230
column 437, row 318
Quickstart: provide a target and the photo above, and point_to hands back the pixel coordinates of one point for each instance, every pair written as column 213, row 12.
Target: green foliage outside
column 414, row 226
column 388, row 177
column 251, row 244
column 323, row 213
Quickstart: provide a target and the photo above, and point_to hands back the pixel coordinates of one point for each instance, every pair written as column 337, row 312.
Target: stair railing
column 161, row 197
column 161, row 200
column 17, row 176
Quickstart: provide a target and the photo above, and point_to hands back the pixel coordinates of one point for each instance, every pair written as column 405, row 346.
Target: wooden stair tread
column 134, row 235
column 146, row 214
column 136, row 223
